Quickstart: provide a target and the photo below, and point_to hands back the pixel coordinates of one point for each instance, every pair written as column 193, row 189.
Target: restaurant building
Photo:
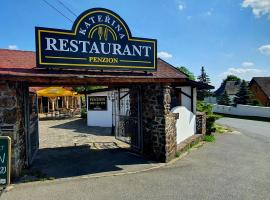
column 153, row 91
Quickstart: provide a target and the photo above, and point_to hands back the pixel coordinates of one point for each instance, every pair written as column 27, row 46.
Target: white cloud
column 12, row 47
column 265, row 49
column 164, row 55
column 243, row 73
column 208, row 13
column 181, row 7
column 259, row 7
column 247, row 64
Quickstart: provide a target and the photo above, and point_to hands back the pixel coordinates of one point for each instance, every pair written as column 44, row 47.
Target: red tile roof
column 15, row 63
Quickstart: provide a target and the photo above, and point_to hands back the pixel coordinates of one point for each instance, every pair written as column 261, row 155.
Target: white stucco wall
column 186, row 124
column 186, row 101
column 243, row 110
column 100, row 118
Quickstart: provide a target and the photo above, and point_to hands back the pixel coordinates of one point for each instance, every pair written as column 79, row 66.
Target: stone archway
column 157, row 125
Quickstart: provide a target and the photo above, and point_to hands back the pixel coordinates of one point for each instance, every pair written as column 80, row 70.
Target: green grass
column 193, row 145
column 221, row 129
column 209, row 138
column 263, row 119
column 177, row 154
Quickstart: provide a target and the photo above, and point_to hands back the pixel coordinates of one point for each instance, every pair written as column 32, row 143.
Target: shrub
column 83, row 113
column 210, row 123
column 203, row 107
column 177, row 154
column 209, row 138
column 210, row 117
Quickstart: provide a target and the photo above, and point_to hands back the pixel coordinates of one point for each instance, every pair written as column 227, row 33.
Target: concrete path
column 236, row 166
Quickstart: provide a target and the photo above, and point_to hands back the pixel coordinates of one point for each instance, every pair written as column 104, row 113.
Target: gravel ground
column 75, row 132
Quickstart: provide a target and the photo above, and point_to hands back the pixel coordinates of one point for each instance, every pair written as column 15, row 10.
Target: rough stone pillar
column 201, row 123
column 133, row 118
column 12, row 122
column 159, row 131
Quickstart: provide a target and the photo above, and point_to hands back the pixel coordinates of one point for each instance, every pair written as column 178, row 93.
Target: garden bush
column 83, row 113
column 210, row 116
column 210, row 123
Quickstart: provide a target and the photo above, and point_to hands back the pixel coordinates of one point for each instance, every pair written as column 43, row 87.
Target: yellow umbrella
column 55, row 92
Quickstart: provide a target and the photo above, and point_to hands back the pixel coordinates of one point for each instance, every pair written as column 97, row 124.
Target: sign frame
column 73, row 62
column 106, row 104
column 8, row 170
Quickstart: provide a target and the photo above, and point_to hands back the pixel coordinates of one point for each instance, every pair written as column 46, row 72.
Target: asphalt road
column 236, row 166
column 248, row 127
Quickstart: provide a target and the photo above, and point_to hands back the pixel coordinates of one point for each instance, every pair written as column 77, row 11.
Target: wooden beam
column 187, row 95
column 75, row 80
column 191, row 99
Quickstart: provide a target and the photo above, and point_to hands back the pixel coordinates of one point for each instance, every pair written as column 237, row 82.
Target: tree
column 243, row 95
column 203, row 78
column 188, row 73
column 224, row 99
column 232, row 78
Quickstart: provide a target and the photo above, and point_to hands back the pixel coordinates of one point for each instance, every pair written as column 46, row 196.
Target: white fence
column 186, row 124
column 212, row 100
column 243, row 110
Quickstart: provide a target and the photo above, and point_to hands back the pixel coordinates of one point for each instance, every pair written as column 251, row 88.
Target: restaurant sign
column 5, row 160
column 99, row 39
column 97, row 103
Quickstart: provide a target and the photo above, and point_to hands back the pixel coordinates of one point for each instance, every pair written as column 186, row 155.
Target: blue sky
column 225, row 36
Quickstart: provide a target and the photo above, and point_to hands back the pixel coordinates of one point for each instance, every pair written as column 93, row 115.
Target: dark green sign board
column 5, row 160
column 97, row 103
column 99, row 39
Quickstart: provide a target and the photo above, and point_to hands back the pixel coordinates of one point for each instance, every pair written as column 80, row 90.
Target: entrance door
column 126, row 116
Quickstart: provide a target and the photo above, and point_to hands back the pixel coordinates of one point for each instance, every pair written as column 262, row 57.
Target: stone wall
column 134, row 118
column 12, row 122
column 170, row 137
column 158, row 123
column 201, row 123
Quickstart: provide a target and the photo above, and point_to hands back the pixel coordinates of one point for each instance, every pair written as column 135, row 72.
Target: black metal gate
column 127, row 116
column 30, row 124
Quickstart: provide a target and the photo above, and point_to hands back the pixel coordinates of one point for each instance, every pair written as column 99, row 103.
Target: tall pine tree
column 203, row 78
column 242, row 96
